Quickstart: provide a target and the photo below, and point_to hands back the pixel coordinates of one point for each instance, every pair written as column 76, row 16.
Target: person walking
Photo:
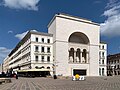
column 16, row 76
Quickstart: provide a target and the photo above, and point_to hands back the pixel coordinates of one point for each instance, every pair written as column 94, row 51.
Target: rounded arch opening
column 78, row 37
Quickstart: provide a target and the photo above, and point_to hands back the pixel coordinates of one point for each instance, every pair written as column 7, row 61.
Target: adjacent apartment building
column 71, row 46
column 113, row 64
column 103, row 59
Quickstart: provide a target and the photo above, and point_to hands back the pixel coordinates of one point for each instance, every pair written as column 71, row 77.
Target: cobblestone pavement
column 91, row 83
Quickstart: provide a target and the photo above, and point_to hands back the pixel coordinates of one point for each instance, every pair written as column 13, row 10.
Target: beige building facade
column 73, row 48
column 113, row 64
column 75, row 45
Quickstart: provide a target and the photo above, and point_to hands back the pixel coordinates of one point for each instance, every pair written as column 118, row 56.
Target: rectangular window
column 102, row 54
column 36, row 39
column 48, row 40
column 36, row 58
column 48, row 58
column 118, row 66
column 42, row 49
column 108, row 62
column 102, row 71
column 42, row 58
column 103, row 61
column 36, row 48
column 103, row 47
column 111, row 62
column 117, row 61
column 43, row 40
column 48, row 49
column 99, row 46
column 99, row 61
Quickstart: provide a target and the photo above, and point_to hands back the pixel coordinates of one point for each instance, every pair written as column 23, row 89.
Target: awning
column 32, row 70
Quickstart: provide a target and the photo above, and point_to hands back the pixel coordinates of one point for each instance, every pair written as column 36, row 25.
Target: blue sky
column 19, row 16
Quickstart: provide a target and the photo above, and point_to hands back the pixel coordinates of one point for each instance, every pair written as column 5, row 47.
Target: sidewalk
column 91, row 83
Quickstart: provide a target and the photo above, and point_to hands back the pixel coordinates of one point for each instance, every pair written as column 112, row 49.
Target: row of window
column 21, row 51
column 113, row 62
column 102, row 54
column 42, row 40
column 41, row 67
column 25, row 49
column 102, row 47
column 42, row 49
column 42, row 58
column 102, row 61
column 116, row 67
column 111, row 73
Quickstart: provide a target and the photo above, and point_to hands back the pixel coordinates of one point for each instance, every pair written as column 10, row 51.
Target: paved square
column 91, row 83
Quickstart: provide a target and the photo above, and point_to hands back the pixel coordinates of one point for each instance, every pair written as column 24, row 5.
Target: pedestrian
column 16, row 76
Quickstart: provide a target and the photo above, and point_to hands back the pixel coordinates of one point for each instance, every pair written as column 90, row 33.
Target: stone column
column 69, row 56
column 77, row 59
column 74, row 59
column 77, row 56
column 87, row 57
column 117, row 72
column 80, row 57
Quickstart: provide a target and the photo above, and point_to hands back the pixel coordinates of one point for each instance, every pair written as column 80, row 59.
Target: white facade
column 1, row 68
column 63, row 27
column 103, row 59
column 41, row 49
column 28, row 52
column 70, row 47
column 6, row 64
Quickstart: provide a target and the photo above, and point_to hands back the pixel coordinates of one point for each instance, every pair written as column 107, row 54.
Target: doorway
column 79, row 71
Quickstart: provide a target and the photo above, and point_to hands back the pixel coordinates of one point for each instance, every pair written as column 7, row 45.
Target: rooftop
column 26, row 37
column 70, row 17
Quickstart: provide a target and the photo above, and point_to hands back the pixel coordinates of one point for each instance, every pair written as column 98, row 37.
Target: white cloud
column 10, row 31
column 111, row 26
column 21, row 4
column 4, row 52
column 20, row 36
column 34, row 30
column 97, row 2
column 112, row 3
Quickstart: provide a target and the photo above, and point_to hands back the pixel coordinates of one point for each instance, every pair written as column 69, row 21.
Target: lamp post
column 113, row 69
column 53, row 69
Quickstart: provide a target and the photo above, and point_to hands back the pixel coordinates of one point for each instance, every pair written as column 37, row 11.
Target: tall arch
column 84, row 55
column 78, row 37
column 71, row 54
column 78, row 55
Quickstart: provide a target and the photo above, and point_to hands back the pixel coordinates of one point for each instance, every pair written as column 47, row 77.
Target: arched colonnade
column 78, row 55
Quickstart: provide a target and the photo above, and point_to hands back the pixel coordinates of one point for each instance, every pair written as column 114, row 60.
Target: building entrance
column 79, row 71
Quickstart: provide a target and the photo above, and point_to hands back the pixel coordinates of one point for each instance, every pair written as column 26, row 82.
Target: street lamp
column 113, row 67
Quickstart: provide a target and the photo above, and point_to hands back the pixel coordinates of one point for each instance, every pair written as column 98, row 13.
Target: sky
column 19, row 16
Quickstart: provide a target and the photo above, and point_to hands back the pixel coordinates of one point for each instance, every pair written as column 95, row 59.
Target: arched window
column 42, row 67
column 36, row 67
column 71, row 54
column 48, row 67
column 84, row 55
column 78, row 55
